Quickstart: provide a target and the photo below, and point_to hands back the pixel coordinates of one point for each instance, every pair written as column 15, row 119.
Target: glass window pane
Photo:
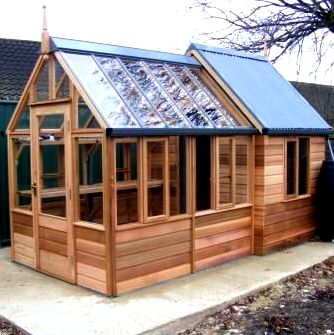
column 42, row 84
column 194, row 88
column 179, row 95
column 303, row 165
column 62, row 82
column 86, row 118
column 291, row 168
column 97, row 86
column 228, row 116
column 126, row 161
column 51, row 122
column 24, row 119
column 241, row 172
column 155, row 94
column 53, row 200
column 155, row 177
column 127, row 206
column 177, row 175
column 52, row 166
column 23, row 175
column 225, row 171
column 130, row 93
column 90, row 180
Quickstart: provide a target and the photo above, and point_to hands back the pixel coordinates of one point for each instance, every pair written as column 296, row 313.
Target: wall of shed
column 279, row 222
column 6, row 111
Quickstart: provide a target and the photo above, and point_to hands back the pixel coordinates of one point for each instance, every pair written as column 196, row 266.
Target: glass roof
column 134, row 93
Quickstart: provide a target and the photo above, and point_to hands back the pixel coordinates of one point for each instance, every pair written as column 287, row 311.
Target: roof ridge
column 227, row 52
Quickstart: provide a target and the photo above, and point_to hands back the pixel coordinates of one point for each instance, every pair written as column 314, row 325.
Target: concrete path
column 46, row 306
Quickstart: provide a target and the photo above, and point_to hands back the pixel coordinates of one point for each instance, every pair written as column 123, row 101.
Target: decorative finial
column 45, row 25
column 45, row 47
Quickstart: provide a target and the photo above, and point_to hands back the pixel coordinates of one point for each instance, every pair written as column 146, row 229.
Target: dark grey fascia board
column 83, row 47
column 296, row 131
column 113, row 132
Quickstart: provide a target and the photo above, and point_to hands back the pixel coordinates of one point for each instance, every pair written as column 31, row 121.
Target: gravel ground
column 7, row 328
column 303, row 304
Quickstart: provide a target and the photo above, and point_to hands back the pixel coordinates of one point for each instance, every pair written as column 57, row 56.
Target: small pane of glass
column 103, row 95
column 24, row 119
column 126, row 161
column 193, row 86
column 23, row 175
column 63, row 89
column 155, row 177
column 54, row 121
column 177, row 174
column 225, row 170
column 90, row 180
column 291, row 168
column 241, row 172
column 42, row 84
column 127, row 206
column 155, row 94
column 86, row 118
column 179, row 96
column 130, row 93
column 303, row 165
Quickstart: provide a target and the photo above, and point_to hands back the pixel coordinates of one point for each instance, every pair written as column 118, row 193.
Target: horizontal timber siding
column 91, row 264
column 152, row 253
column 23, row 244
column 280, row 223
column 222, row 237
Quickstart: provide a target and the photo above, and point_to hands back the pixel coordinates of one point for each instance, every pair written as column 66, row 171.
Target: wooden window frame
column 78, row 139
column 142, row 181
column 132, row 184
column 234, row 142
column 165, row 179
column 296, row 194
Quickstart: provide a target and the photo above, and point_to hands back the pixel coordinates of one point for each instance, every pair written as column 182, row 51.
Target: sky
column 149, row 24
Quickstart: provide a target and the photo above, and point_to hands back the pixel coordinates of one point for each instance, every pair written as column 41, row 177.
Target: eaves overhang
column 297, row 131
column 114, row 132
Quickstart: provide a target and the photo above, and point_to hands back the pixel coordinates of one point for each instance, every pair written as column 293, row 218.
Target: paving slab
column 46, row 306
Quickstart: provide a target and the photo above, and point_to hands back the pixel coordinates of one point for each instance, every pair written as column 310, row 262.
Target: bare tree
column 283, row 25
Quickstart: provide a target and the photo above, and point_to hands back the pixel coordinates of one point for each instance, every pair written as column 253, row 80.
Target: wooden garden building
column 130, row 167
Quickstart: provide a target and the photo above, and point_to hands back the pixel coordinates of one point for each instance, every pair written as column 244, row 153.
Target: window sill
column 226, row 209
column 298, row 197
column 89, row 225
column 162, row 220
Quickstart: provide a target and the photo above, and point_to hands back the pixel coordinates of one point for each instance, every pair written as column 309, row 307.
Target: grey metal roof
column 64, row 44
column 272, row 100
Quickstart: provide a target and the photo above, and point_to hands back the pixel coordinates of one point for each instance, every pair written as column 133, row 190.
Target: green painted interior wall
column 6, row 111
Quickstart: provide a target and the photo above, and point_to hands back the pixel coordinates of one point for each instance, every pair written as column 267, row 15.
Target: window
column 155, row 178
column 297, row 167
column 177, row 174
column 90, row 197
column 127, row 184
column 232, row 171
column 162, row 189
column 22, row 173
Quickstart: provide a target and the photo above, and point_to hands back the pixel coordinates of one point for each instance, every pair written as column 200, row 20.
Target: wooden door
column 51, row 192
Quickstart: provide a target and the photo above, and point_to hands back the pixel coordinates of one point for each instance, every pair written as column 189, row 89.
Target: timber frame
column 116, row 210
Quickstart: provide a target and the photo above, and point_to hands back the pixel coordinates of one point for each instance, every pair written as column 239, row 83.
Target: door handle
column 34, row 188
